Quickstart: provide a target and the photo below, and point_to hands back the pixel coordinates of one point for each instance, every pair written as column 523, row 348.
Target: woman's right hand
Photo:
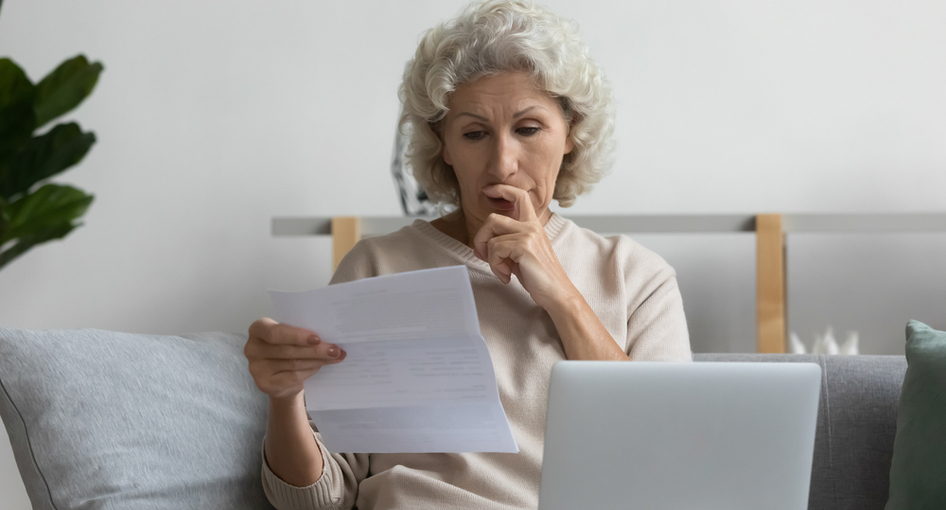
column 282, row 357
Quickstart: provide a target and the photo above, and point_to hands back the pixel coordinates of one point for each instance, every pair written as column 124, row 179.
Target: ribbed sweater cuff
column 318, row 495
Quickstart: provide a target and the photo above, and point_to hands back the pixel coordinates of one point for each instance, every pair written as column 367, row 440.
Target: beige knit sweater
column 635, row 295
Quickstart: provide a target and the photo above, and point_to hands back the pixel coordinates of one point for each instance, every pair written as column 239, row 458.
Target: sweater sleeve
column 656, row 324
column 337, row 488
column 657, row 330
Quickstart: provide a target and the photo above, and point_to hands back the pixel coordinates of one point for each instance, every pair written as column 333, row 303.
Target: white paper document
column 418, row 376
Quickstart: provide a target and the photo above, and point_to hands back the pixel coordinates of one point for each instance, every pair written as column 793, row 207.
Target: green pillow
column 918, row 467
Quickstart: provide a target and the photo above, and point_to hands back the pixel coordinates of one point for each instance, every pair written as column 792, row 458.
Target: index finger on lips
column 525, row 211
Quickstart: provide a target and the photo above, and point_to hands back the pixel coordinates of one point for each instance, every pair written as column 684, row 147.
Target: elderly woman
column 506, row 112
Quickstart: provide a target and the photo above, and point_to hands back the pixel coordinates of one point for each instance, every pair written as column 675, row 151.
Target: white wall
column 214, row 116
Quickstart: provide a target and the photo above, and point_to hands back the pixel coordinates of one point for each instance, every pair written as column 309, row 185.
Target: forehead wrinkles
column 509, row 92
column 483, row 109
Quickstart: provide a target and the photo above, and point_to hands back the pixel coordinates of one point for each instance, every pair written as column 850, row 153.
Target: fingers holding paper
column 282, row 357
column 518, row 245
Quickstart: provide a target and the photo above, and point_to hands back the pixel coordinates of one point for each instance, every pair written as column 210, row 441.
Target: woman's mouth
column 501, row 204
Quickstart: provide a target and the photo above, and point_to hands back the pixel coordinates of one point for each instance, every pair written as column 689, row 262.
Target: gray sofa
column 857, row 422
column 100, row 419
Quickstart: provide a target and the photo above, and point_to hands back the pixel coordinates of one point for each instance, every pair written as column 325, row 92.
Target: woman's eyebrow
column 515, row 115
column 523, row 112
column 478, row 117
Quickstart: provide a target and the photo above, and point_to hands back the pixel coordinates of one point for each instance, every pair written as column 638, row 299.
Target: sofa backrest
column 857, row 422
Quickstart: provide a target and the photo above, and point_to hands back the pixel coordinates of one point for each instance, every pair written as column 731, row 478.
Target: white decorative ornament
column 850, row 346
column 829, row 343
column 818, row 347
column 796, row 344
column 826, row 344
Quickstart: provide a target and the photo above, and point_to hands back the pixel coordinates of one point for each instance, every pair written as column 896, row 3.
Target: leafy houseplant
column 32, row 212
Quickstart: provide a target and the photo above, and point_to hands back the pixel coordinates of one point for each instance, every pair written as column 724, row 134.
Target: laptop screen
column 651, row 435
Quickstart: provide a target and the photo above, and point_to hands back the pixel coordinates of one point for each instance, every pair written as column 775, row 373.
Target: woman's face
column 503, row 131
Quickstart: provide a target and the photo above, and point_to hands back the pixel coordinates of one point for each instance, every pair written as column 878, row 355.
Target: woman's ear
column 571, row 120
column 437, row 128
column 447, row 158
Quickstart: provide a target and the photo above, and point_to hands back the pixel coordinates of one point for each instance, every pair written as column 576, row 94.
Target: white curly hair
column 494, row 36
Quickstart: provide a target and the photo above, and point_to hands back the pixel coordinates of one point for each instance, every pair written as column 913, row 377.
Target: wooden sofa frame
column 770, row 231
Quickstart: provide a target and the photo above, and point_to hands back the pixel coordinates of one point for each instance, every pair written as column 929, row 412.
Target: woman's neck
column 463, row 228
column 455, row 225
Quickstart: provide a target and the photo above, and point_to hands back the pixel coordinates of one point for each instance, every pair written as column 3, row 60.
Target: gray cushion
column 861, row 404
column 99, row 419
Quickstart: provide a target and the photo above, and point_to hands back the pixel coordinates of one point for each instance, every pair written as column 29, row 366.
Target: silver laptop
column 679, row 436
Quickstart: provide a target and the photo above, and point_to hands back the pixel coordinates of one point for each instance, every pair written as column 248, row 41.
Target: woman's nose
column 505, row 160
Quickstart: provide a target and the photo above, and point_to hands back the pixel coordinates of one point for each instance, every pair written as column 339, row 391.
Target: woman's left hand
column 518, row 245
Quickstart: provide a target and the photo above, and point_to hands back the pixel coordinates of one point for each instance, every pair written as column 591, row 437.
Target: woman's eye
column 474, row 135
column 528, row 131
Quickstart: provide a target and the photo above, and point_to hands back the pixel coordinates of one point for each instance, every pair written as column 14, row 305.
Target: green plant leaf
column 29, row 241
column 47, row 209
column 45, row 156
column 66, row 87
column 17, row 119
